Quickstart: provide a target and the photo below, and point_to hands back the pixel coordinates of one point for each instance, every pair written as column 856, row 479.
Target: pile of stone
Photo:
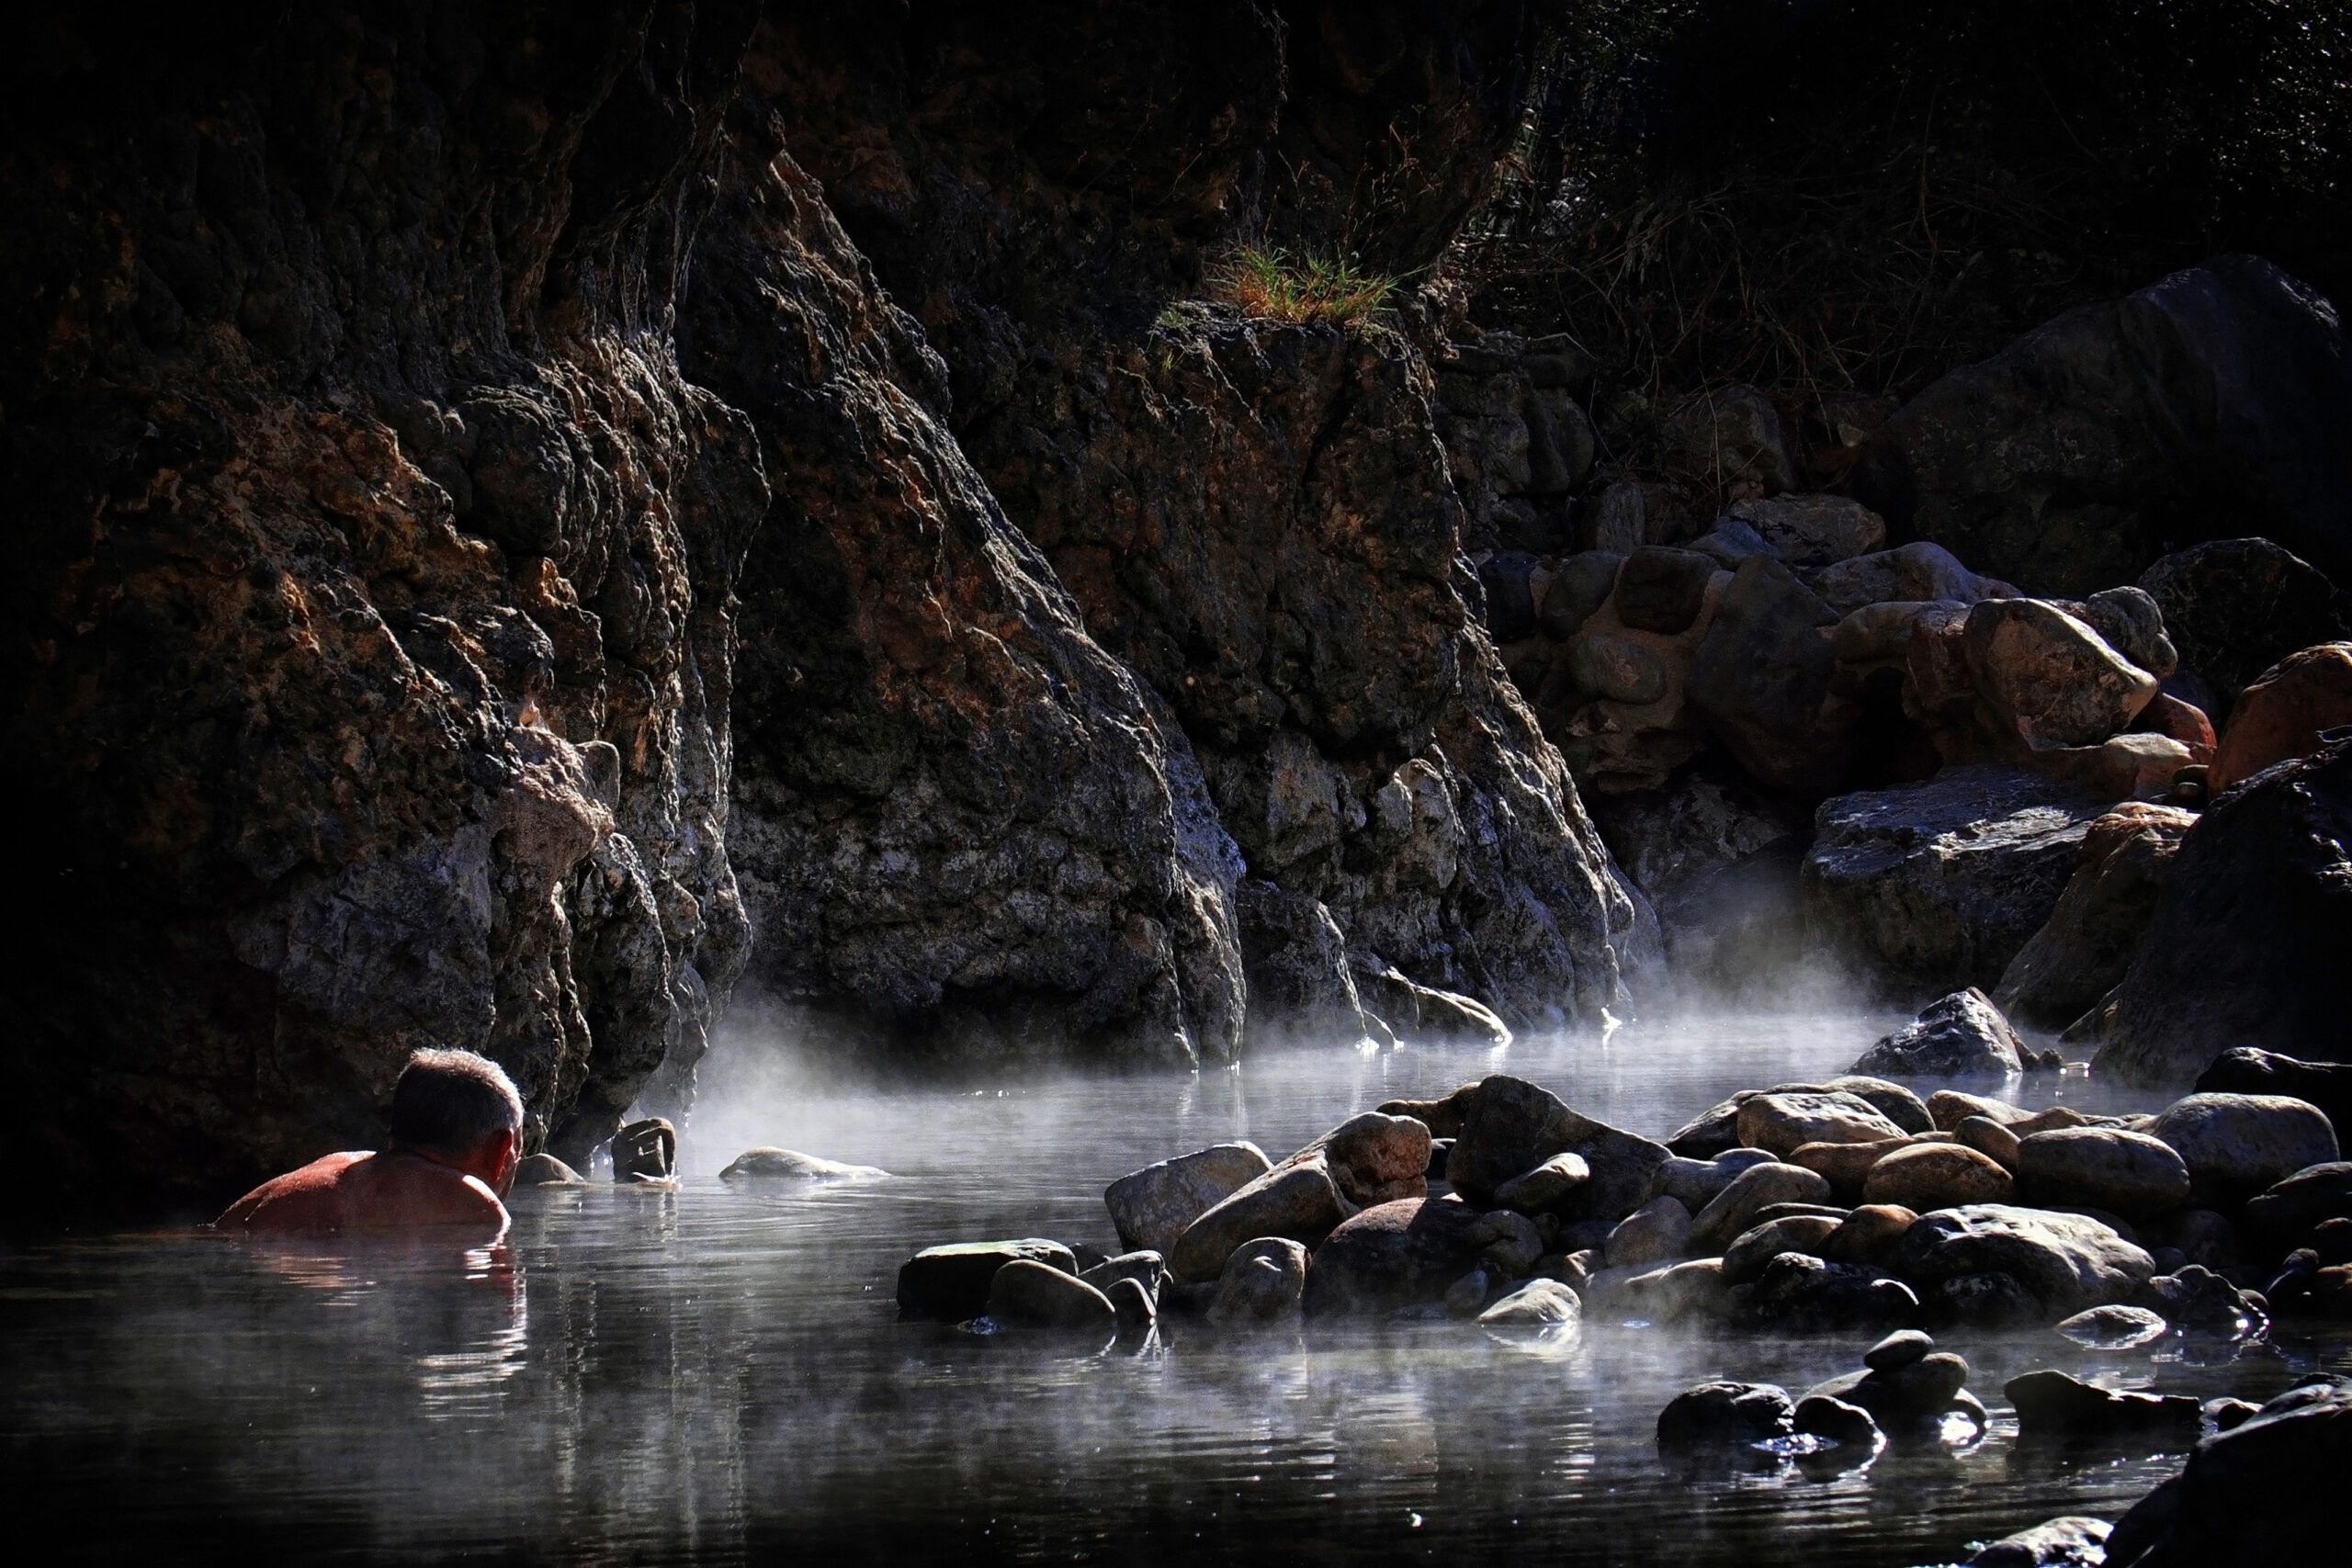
column 1845, row 1204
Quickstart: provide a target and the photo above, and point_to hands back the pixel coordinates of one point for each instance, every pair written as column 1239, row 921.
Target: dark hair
column 451, row 1101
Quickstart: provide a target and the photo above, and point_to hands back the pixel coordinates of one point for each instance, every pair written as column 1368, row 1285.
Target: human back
column 456, row 1135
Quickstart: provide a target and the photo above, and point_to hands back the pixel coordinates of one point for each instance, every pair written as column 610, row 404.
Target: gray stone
column 1616, row 667
column 1662, row 590
column 1696, row 1183
column 786, row 1165
column 1941, row 884
column 2085, row 946
column 1963, row 1036
column 1148, row 1269
column 2290, row 1211
column 1812, row 531
column 1534, row 1191
column 1897, row 1350
column 1748, row 1256
column 2072, row 1541
column 1026, row 1295
column 951, row 1283
column 1397, row 1255
column 1656, row 1232
column 1151, row 1207
column 2106, row 1168
column 2064, row 1262
column 2131, row 622
column 1729, row 438
column 1713, row 1413
column 1294, row 958
column 1261, row 1282
column 2267, row 1491
column 2114, row 1328
column 1823, row 1417
column 2236, row 607
column 2050, row 676
column 1761, row 676
column 1780, row 1122
column 1540, row 1303
column 1734, row 1209
column 1800, row 1292
column 1920, row 572
column 1731, row 542
column 1582, row 585
column 2237, row 1146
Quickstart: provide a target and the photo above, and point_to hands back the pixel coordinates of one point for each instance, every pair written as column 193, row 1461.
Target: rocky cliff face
column 473, row 500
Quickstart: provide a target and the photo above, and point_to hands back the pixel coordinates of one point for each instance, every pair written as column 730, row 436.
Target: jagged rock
column 1811, row 531
column 1261, row 1282
column 2072, row 1541
column 2081, row 951
column 1511, row 1126
column 2242, row 945
column 1510, row 605
column 2106, row 1168
column 2235, row 1146
column 2243, row 1070
column 951, row 1283
column 2062, row 461
column 1151, row 1207
column 1963, row 1036
column 2236, row 607
column 646, row 1151
column 1725, row 1412
column 1937, row 1176
column 2263, row 1492
column 1395, row 1255
column 2067, row 1262
column 1294, row 962
column 1941, row 884
column 1780, row 1122
column 1415, row 1011
column 2058, row 1402
column 1761, row 680
column 2131, row 623
column 2050, row 676
column 2283, row 712
column 1025, row 1295
column 774, row 1164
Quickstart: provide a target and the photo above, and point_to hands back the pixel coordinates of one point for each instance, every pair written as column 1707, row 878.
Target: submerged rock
column 1963, row 1036
column 1823, row 1416
column 2265, row 1492
column 2072, row 1541
column 951, row 1283
column 786, row 1165
column 1261, row 1282
column 1797, row 1291
column 1540, row 1303
column 1026, row 1295
column 1723, row 1413
column 2060, row 1403
column 546, row 1170
column 2114, row 1328
column 2065, row 1262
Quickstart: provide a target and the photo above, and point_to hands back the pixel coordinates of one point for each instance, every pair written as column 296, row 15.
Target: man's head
column 461, row 1109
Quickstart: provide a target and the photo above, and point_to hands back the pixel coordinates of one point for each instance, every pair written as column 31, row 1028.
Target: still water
column 716, row 1374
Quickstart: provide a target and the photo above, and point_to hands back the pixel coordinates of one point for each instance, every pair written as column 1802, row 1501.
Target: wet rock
column 1696, row 1183
column 1147, row 1269
column 2051, row 677
column 2196, row 1299
column 951, row 1283
column 1026, row 1295
column 1261, row 1282
column 546, row 1170
column 1746, row 1258
column 1734, row 1209
column 646, row 1150
column 1416, row 1011
column 1151, row 1207
column 1511, row 1126
column 1824, row 1416
column 1297, row 1199
column 2081, row 951
column 1656, row 1232
column 2242, row 945
column 1812, row 531
column 1534, row 1191
column 1897, row 1350
column 1687, row 1291
column 1892, row 1100
column 1937, row 1176
column 1796, row 1291
column 2105, row 1167
column 1395, row 1255
column 1989, row 1138
column 2237, row 1146
column 2245, row 1070
column 769, row 1164
column 2114, row 1328
column 1136, row 1313
column 1761, row 680
column 1581, row 586
column 1540, row 1303
column 2291, row 1210
column 1990, row 1299
column 2236, row 607
column 1780, row 1122
column 1867, row 1233
column 2060, row 1404
column 1941, row 884
column 1374, row 1157
column 2228, row 1413
column 1963, row 1036
column 1911, row 1392
column 2065, row 1262
column 2283, row 712
column 1726, row 1413
column 2072, row 1541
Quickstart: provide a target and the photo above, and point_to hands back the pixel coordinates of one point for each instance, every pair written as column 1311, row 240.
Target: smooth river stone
column 951, row 1283
column 1721, row 1221
column 1745, row 1257
column 1937, row 1176
column 1296, row 1198
column 2064, row 1262
column 789, row 1164
column 1025, row 1295
column 1780, row 1122
column 1151, row 1207
column 2102, row 1167
column 1262, row 1283
column 2238, row 1145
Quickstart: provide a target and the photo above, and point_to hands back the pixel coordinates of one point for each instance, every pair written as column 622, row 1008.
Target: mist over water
column 716, row 1374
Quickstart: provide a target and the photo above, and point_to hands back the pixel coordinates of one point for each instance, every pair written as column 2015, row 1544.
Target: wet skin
column 399, row 1190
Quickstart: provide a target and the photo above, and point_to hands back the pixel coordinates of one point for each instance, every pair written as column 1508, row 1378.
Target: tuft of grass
column 1303, row 286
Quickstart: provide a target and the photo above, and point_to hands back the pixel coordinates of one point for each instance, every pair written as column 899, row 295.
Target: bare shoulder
column 306, row 1199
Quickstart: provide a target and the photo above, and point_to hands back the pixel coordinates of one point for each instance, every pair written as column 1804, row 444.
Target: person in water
column 457, row 1134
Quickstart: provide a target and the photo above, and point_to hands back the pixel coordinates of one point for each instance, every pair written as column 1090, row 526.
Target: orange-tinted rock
column 2183, row 721
column 2050, row 675
column 2280, row 715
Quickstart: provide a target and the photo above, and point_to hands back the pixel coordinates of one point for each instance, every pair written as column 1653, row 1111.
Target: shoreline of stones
column 1850, row 1203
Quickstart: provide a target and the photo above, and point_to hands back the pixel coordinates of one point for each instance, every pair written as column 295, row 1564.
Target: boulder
column 2050, row 676
column 2202, row 1302
column 1374, row 1157
column 786, row 1165
column 2245, row 940
column 1726, row 1413
column 2235, row 1146
column 1582, row 585
column 1919, row 572
column 1262, row 1282
column 1151, row 1207
column 1511, row 1126
column 1657, row 1232
column 1914, row 1390
column 1616, row 668
column 1296, row 1198
column 2245, row 1070
column 1540, row 1303
column 2236, row 607
column 1845, row 1166
column 1732, row 542
column 1146, row 1269
column 2064, row 1262
column 2290, row 1211
column 950, row 1284
column 1867, row 1233
column 1897, row 1350
column 546, row 1170
column 2267, row 1491
column 2105, row 1167
column 1714, row 1132
column 1800, row 1292
column 1728, row 439
column 2282, row 714
column 1534, row 1191
column 2060, row 1404
column 1696, row 1183
column 2133, row 623
column 646, row 1150
column 1027, row 1294
column 1734, row 1209
column 1819, row 1415
column 2114, row 1328
column 1951, row 1107
column 1812, row 531
column 1395, row 1255
column 1989, row 1138
column 1963, row 1036
column 1761, row 676
column 1296, row 965
column 1745, row 1257
column 1941, row 884
column 1937, row 1176
column 1694, row 1289
column 1778, row 1123
column 1441, row 1116
column 1987, row 1299
column 2083, row 950
column 1662, row 590
column 2071, row 1540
